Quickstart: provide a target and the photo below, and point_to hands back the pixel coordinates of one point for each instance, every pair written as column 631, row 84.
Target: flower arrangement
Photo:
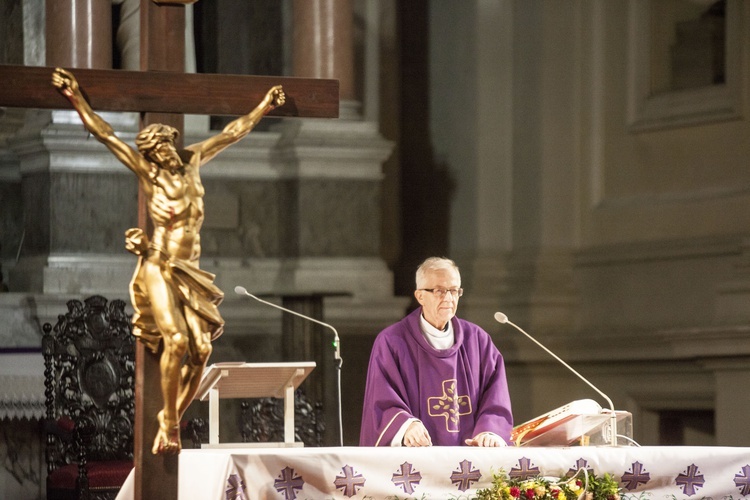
column 583, row 486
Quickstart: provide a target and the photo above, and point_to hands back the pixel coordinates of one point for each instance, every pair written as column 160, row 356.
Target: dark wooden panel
column 166, row 92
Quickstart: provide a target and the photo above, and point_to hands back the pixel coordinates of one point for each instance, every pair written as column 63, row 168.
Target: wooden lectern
column 252, row 380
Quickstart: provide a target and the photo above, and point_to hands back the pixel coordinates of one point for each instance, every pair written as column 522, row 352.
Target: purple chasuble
column 456, row 393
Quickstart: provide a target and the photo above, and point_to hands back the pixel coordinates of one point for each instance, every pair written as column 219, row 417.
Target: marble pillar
column 323, row 46
column 128, row 34
column 67, row 179
column 323, row 42
column 79, row 33
column 329, row 191
column 77, row 202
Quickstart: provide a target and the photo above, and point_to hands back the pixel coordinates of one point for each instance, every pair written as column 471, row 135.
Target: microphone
column 502, row 318
column 241, row 290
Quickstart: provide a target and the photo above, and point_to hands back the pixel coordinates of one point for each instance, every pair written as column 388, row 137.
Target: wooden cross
column 163, row 92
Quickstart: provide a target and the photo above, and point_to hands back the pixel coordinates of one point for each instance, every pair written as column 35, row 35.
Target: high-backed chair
column 89, row 376
column 262, row 420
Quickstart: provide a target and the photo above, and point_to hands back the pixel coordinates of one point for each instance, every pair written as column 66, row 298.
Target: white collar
column 439, row 339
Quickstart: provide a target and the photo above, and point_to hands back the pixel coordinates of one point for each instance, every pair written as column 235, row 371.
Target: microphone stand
column 240, row 290
column 502, row 318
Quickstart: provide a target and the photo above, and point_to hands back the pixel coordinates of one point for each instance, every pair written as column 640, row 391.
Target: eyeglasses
column 441, row 292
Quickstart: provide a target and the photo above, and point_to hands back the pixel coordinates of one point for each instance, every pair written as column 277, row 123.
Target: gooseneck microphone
column 502, row 318
column 241, row 290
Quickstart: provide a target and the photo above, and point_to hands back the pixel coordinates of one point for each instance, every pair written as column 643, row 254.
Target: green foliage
column 582, row 485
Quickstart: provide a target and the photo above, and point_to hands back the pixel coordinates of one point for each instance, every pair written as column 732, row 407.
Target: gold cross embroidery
column 449, row 405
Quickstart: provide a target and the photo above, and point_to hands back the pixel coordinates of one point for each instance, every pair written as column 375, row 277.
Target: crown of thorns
column 152, row 135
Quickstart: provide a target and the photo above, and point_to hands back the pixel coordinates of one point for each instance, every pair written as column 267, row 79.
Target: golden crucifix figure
column 175, row 302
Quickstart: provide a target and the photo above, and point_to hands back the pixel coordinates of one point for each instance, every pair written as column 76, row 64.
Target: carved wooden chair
column 193, row 431
column 262, row 420
column 89, row 376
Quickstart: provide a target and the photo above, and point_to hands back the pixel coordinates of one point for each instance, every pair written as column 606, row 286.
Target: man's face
column 439, row 310
column 165, row 154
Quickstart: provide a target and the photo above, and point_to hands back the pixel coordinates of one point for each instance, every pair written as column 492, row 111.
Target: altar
column 451, row 472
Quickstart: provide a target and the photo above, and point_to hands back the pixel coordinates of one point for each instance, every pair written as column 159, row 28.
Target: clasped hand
column 64, row 81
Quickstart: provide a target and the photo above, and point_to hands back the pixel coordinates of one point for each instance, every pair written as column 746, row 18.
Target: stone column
column 128, row 34
column 329, row 212
column 323, row 43
column 72, row 247
column 79, row 33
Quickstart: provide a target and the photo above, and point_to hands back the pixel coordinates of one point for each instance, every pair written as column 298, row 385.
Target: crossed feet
column 167, row 440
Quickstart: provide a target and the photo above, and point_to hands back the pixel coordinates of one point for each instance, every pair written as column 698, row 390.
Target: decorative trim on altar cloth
column 455, row 472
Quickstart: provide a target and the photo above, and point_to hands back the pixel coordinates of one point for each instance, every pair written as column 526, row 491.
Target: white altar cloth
column 450, row 472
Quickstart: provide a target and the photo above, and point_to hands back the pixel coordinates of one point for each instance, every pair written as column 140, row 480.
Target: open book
column 545, row 423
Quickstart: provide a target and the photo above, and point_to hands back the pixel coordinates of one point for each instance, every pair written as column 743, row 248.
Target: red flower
column 515, row 491
column 529, row 493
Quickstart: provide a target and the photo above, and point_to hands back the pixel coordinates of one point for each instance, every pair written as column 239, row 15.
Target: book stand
column 252, row 380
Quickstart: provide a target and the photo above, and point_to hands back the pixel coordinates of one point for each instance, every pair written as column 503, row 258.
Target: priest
column 433, row 378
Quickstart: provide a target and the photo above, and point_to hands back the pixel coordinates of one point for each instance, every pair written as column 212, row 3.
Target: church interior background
column 584, row 162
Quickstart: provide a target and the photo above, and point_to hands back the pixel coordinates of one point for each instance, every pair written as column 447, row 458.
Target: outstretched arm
column 68, row 86
column 240, row 127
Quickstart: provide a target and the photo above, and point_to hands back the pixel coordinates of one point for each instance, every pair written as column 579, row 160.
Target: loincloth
column 193, row 287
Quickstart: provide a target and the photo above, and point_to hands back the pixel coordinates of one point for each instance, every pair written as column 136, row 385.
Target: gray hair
column 433, row 264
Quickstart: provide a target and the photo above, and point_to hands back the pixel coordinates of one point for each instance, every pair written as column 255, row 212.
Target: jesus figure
column 175, row 302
